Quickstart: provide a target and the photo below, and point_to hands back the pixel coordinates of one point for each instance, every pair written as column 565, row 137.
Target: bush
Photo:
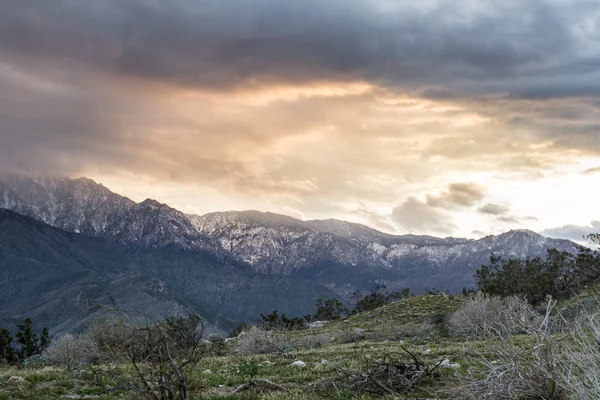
column 560, row 275
column 72, row 350
column 329, row 310
column 259, row 341
column 313, row 341
column 505, row 370
column 274, row 321
column 415, row 330
column 378, row 298
column 580, row 366
column 483, row 315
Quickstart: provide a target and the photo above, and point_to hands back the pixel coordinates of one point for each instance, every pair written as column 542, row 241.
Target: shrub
column 72, row 350
column 274, row 321
column 394, row 374
column 378, row 298
column 330, row 309
column 505, row 370
column 313, row 341
column 483, row 315
column 259, row 341
column 415, row 330
column 560, row 275
column 580, row 366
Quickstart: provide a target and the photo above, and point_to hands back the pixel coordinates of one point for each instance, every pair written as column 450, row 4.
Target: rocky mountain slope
column 339, row 255
column 58, row 278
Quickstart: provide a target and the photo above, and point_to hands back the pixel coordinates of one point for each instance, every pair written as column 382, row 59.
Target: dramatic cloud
column 311, row 108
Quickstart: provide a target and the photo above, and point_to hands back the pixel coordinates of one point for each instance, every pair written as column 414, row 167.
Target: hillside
column 54, row 277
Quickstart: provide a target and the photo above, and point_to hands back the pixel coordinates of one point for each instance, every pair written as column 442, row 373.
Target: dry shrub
column 112, row 336
column 313, row 341
column 72, row 350
column 580, row 366
column 258, row 341
column 483, row 315
column 415, row 330
column 393, row 374
column 506, row 368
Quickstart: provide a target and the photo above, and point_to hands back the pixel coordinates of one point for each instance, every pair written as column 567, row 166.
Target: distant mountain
column 341, row 256
column 56, row 277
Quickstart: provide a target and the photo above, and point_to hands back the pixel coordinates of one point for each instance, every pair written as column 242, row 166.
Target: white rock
column 299, row 364
column 207, row 372
column 317, row 324
column 447, row 364
column 324, row 362
column 230, row 339
column 359, row 331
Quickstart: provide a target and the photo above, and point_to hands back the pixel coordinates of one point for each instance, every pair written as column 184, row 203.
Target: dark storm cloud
column 221, row 44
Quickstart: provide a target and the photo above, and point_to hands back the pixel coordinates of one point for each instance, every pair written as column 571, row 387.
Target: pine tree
column 27, row 339
column 7, row 353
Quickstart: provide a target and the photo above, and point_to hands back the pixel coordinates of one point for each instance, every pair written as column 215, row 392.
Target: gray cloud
column 532, row 49
column 458, row 195
column 573, row 232
column 431, row 214
column 494, row 209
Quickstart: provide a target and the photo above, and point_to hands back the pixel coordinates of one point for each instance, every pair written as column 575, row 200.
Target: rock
column 299, row 364
column 317, row 324
column 206, row 341
column 359, row 331
column 428, row 351
column 447, row 364
column 207, row 372
column 324, row 362
column 16, row 379
column 230, row 339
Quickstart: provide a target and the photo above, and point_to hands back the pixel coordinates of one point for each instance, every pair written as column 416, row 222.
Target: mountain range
column 66, row 239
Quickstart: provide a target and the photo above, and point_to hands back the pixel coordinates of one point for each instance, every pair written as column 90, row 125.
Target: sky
column 442, row 117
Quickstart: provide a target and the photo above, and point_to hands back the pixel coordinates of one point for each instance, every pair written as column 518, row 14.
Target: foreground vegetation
column 493, row 344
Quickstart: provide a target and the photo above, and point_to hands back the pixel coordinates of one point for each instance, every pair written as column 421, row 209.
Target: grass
column 415, row 323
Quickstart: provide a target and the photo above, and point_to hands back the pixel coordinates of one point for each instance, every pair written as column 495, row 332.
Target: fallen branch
column 255, row 381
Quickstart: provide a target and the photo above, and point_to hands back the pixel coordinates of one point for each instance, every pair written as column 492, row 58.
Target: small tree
column 560, row 275
column 7, row 353
column 378, row 298
column 30, row 343
column 274, row 321
column 330, row 309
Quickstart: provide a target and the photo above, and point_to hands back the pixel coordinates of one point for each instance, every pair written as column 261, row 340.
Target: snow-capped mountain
column 340, row 255
column 84, row 206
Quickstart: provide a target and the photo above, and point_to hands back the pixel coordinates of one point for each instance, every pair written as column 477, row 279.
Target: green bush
column 561, row 274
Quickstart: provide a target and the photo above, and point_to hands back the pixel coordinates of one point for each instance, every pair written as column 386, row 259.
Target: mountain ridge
column 342, row 256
